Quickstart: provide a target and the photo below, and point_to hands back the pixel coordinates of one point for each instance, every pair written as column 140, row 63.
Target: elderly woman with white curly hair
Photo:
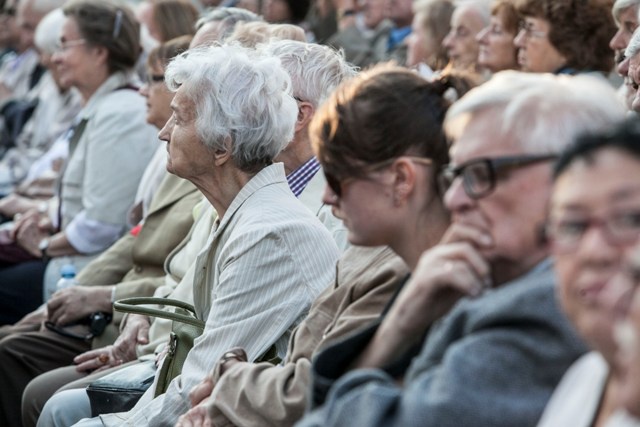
column 267, row 257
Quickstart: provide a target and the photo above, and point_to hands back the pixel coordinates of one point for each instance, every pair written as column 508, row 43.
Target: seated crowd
column 367, row 213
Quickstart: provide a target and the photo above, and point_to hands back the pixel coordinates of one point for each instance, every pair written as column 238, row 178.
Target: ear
column 306, row 110
column 101, row 53
column 404, row 180
column 220, row 157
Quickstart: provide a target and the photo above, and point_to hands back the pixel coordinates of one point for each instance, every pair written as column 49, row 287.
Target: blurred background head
column 431, row 24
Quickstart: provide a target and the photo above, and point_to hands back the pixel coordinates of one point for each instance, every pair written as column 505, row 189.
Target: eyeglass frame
column 63, row 46
column 494, row 165
column 335, row 183
column 529, row 32
column 604, row 223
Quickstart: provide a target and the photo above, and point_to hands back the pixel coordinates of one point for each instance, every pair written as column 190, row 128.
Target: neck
column 222, row 186
column 296, row 154
column 93, row 83
column 504, row 270
column 429, row 229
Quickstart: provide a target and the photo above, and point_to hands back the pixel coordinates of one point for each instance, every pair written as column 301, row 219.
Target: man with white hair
column 315, row 71
column 479, row 311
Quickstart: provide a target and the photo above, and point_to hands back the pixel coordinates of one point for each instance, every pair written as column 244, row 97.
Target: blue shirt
column 299, row 178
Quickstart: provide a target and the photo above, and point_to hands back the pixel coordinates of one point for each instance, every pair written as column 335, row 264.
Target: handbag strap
column 133, row 305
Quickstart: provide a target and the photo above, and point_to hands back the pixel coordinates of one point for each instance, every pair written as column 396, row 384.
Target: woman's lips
column 591, row 292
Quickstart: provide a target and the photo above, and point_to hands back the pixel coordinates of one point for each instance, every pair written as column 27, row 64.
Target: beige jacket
column 266, row 395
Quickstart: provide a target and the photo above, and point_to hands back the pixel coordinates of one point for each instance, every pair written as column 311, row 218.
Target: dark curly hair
column 580, row 30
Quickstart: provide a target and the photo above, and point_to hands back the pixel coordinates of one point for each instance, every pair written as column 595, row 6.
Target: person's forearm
column 60, row 246
column 261, row 394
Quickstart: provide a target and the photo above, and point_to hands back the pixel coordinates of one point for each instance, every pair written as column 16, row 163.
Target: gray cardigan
column 492, row 361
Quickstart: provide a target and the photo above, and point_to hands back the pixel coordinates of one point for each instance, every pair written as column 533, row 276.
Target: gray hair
column 241, row 95
column 620, row 6
column 228, row 17
column 634, row 45
column 483, row 7
column 48, row 31
column 315, row 70
column 543, row 113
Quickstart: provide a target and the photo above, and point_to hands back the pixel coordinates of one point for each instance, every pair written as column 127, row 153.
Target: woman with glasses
column 565, row 36
column 380, row 142
column 109, row 146
column 594, row 219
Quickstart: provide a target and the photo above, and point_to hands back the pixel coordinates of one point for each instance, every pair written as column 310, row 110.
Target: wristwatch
column 43, row 246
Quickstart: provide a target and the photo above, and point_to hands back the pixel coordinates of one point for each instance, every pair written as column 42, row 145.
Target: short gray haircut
column 241, row 95
column 228, row 17
column 48, row 31
column 620, row 6
column 634, row 45
column 543, row 113
column 315, row 70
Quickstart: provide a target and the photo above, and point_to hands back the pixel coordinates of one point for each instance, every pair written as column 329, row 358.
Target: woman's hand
column 197, row 416
column 14, row 204
column 135, row 332
column 97, row 360
column 29, row 229
column 452, row 269
column 201, row 391
column 77, row 302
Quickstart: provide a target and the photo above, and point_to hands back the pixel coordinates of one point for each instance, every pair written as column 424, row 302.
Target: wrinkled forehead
column 599, row 181
column 479, row 134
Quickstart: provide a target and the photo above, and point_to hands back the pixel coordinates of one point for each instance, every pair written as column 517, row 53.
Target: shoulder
column 524, row 311
column 364, row 269
column 577, row 397
column 122, row 101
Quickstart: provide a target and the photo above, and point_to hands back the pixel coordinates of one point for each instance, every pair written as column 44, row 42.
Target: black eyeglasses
column 479, row 175
column 335, row 183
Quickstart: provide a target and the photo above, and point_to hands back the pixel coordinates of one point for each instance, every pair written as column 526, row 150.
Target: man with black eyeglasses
column 480, row 307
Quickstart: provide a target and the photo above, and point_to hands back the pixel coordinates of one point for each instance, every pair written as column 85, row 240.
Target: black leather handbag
column 120, row 390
